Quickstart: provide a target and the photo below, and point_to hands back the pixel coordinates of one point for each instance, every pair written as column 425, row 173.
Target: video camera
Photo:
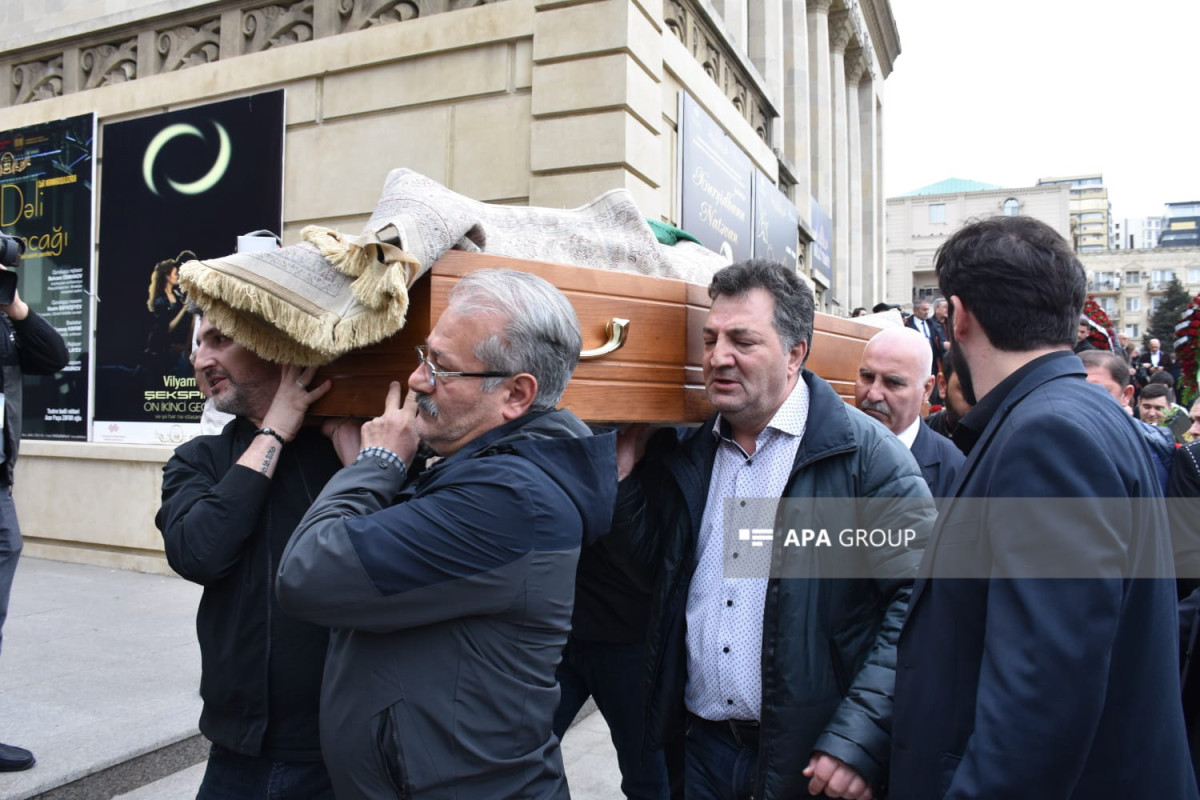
column 11, row 248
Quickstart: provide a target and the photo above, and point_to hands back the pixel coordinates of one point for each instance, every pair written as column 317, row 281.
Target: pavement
column 100, row 677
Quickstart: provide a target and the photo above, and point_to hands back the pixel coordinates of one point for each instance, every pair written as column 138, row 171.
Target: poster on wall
column 46, row 179
column 776, row 223
column 174, row 186
column 716, row 183
column 822, row 225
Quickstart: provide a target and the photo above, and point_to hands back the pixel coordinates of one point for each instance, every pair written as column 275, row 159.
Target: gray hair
column 540, row 334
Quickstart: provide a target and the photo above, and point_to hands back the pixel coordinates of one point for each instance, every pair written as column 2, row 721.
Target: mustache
column 426, row 404
column 879, row 407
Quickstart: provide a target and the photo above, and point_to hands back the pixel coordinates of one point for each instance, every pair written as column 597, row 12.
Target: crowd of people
column 801, row 596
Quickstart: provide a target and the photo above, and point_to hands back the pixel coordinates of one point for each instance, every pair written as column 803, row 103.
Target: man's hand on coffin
column 292, row 400
column 396, row 428
column 631, row 446
column 346, row 435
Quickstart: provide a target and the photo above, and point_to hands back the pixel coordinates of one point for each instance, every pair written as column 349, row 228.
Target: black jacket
column 225, row 527
column 31, row 346
column 828, row 645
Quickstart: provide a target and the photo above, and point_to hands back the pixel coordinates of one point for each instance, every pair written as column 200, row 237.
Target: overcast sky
column 1009, row 91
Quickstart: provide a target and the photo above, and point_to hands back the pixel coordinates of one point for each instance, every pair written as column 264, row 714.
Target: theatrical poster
column 46, row 178
column 175, row 186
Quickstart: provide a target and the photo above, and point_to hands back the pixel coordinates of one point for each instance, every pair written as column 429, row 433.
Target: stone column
column 872, row 219
column 764, row 43
column 820, row 103
column 840, row 31
column 795, row 133
column 734, row 14
column 597, row 102
column 856, row 67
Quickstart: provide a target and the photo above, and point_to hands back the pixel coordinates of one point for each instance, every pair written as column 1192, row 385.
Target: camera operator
column 27, row 344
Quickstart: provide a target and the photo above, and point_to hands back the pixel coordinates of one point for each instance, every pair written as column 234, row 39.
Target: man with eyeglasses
column 449, row 588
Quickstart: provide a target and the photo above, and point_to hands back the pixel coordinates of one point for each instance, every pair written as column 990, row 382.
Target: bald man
column 893, row 382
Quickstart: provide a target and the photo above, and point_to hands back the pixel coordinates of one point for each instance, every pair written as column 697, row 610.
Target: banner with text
column 822, row 225
column 46, row 178
column 776, row 223
column 187, row 182
column 717, row 184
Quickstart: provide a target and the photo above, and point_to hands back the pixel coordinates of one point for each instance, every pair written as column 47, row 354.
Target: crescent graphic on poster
column 205, row 183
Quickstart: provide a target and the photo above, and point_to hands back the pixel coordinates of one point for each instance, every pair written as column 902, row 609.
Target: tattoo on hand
column 267, row 459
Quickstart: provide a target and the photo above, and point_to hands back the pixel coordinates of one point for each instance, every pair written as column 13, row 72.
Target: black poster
column 46, row 175
column 187, row 182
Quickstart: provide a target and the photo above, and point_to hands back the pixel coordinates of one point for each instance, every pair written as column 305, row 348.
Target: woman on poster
column 168, row 341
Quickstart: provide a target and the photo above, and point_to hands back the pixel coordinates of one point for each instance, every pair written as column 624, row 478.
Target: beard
column 963, row 370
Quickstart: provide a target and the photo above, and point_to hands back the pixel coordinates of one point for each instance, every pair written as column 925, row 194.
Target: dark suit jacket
column 937, row 336
column 939, row 460
column 1164, row 359
column 1020, row 687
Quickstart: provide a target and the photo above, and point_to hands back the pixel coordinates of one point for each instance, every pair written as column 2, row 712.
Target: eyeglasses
column 435, row 373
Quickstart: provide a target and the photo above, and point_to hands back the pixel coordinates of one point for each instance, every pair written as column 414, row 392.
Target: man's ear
column 928, row 390
column 1127, row 396
column 963, row 321
column 796, row 357
column 521, row 394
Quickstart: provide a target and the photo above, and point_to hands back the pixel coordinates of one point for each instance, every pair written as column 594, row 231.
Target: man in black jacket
column 782, row 683
column 230, row 504
column 28, row 344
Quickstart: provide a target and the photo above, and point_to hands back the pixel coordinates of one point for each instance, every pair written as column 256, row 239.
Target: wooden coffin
column 653, row 376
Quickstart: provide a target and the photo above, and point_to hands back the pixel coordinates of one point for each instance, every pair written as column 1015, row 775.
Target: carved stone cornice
column 715, row 53
column 186, row 46
column 277, row 26
column 856, row 65
column 220, row 29
column 841, row 30
column 38, row 80
column 819, row 6
column 108, row 63
column 356, row 15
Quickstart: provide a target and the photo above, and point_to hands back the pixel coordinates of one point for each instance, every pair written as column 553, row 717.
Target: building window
column 1131, row 331
column 1133, row 304
column 937, row 213
column 1011, row 207
column 1133, row 276
column 1193, row 275
column 1162, row 276
column 1109, row 304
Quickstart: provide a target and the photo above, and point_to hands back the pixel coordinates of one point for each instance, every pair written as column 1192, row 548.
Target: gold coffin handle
column 616, row 329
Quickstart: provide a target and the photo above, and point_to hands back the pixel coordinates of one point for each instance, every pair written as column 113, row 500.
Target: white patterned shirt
column 725, row 615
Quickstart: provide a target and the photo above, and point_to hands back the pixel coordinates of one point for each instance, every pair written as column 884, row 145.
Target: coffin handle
column 616, row 329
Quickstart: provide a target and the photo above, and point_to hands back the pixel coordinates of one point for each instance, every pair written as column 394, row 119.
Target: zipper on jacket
column 387, row 742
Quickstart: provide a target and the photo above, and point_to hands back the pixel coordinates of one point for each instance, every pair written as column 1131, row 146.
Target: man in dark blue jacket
column 28, row 344
column 1039, row 657
column 449, row 590
column 772, row 648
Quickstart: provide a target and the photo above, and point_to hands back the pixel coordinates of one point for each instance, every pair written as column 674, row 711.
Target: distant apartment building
column 918, row 223
column 1128, row 284
column 1091, row 213
column 1181, row 225
column 1137, row 233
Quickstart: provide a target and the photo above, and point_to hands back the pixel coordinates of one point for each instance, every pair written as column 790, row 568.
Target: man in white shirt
column 781, row 684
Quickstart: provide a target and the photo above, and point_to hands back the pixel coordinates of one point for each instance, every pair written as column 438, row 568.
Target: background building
column 1181, row 225
column 539, row 102
column 1091, row 213
column 918, row 223
column 1128, row 283
column 1137, row 233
